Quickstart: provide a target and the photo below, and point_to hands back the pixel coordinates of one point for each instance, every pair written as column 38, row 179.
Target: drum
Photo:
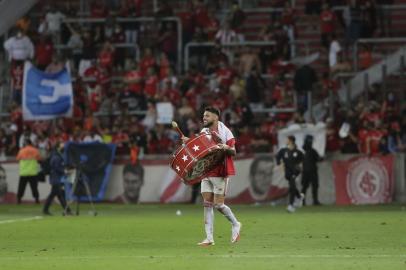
column 198, row 156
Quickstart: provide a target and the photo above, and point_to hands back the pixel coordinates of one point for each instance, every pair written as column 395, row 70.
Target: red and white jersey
column 227, row 168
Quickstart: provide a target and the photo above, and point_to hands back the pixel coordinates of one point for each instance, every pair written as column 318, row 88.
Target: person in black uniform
column 310, row 174
column 56, row 173
column 292, row 159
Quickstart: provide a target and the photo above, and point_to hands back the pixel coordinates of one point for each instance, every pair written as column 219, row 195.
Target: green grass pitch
column 154, row 237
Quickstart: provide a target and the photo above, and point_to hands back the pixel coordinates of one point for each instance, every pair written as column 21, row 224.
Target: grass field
column 153, row 237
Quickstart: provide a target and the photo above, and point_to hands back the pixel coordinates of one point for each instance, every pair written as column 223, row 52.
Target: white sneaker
column 299, row 201
column 291, row 208
column 206, row 243
column 235, row 232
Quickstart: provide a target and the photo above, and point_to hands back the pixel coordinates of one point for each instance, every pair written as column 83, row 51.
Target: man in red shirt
column 225, row 75
column 133, row 78
column 201, row 14
column 151, row 84
column 327, row 21
column 214, row 185
column 44, row 51
column 147, row 61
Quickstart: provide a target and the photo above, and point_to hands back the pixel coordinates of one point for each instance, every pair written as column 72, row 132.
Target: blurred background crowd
column 123, row 66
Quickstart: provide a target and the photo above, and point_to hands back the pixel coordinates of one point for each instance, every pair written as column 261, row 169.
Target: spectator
column 288, row 22
column 133, row 79
column 44, row 50
column 304, row 81
column 333, row 57
column 201, row 13
column 237, row 89
column 328, row 24
column 147, row 61
column 369, row 23
column 56, row 65
column 54, row 20
column 254, row 89
column 89, row 52
column 212, row 26
column 236, row 18
column 151, row 84
column 75, row 43
column 365, row 57
column 226, row 34
column 188, row 21
column 92, row 136
column 28, row 135
column 17, row 77
column 107, row 57
column 19, row 47
column 248, row 60
column 353, row 15
column 24, row 24
column 384, row 15
column 168, row 41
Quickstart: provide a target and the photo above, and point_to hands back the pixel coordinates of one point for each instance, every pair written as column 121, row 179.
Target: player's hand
column 184, row 139
column 223, row 146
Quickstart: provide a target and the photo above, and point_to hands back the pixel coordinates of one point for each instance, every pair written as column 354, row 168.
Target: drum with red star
column 198, row 156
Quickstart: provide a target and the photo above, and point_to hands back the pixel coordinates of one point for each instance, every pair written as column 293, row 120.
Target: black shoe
column 46, row 213
column 317, row 203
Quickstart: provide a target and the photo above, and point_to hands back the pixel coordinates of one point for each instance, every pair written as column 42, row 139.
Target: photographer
column 56, row 174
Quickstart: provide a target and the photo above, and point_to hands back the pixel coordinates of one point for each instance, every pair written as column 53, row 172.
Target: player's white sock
column 208, row 219
column 226, row 211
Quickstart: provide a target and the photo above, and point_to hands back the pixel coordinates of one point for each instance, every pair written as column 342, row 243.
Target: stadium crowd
column 112, row 88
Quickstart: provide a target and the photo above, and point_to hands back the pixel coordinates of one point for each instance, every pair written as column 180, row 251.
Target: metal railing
column 142, row 19
column 373, row 41
column 60, row 47
column 236, row 44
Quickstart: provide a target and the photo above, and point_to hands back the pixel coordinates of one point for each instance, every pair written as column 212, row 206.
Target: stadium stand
column 127, row 57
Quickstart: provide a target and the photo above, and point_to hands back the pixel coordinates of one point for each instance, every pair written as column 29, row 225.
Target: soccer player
column 292, row 161
column 214, row 185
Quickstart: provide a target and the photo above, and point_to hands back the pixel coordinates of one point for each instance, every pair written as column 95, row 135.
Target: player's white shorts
column 216, row 185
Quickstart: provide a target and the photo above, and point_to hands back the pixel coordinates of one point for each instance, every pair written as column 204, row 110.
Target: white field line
column 236, row 256
column 7, row 221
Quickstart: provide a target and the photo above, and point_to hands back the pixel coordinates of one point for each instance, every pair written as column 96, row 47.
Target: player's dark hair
column 212, row 110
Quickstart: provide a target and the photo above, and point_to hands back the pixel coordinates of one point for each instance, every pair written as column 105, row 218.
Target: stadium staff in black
column 56, row 174
column 292, row 159
column 310, row 174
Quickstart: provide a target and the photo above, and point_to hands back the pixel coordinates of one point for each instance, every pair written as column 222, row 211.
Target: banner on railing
column 257, row 180
column 46, row 95
column 364, row 180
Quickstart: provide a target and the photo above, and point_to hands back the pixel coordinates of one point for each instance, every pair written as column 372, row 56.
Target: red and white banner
column 257, row 180
column 364, row 180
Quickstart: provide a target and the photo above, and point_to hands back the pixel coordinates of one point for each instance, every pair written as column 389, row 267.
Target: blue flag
column 46, row 95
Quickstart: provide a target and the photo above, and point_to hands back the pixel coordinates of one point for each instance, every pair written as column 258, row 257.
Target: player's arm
column 229, row 147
